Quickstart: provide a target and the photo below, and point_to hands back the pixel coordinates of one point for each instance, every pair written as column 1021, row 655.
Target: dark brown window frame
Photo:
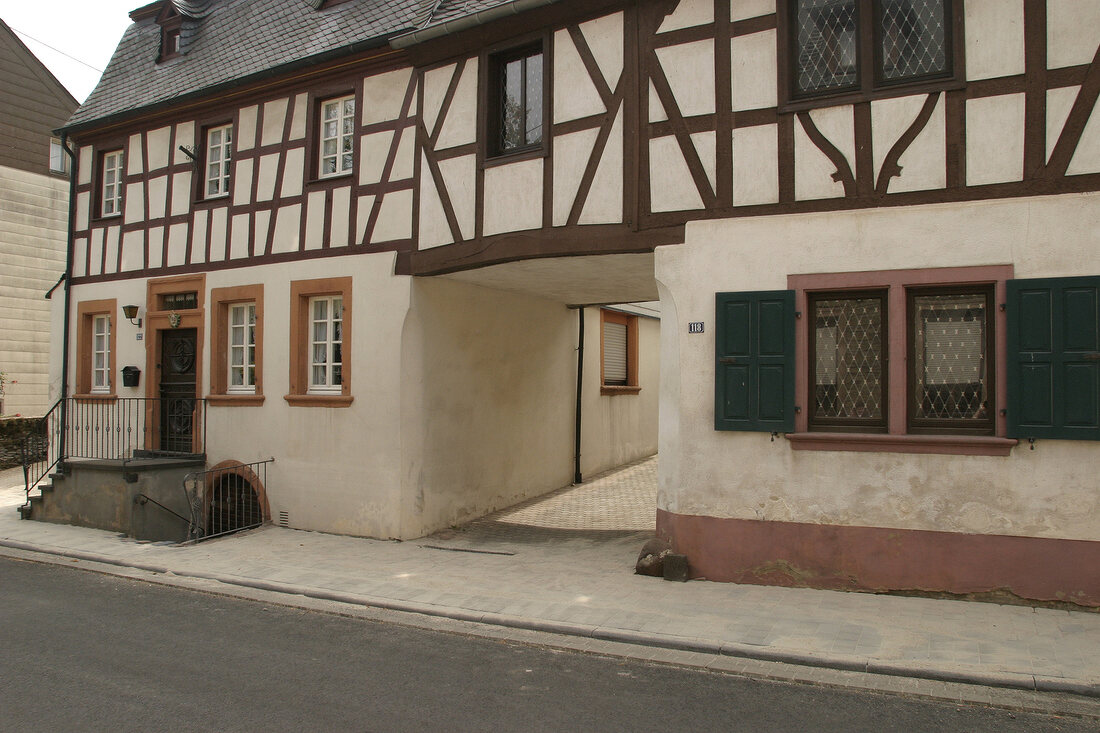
column 951, row 426
column 349, row 87
column 490, row 95
column 171, row 24
column 97, row 181
column 200, row 162
column 859, row 425
column 869, row 86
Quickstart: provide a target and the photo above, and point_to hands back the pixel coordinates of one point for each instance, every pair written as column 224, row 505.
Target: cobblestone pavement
column 574, row 587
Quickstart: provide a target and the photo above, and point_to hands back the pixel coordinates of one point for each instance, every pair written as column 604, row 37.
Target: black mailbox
column 131, row 375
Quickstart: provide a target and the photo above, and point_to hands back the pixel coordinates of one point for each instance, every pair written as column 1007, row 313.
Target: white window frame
column 219, row 161
column 336, row 126
column 101, row 354
column 57, row 157
column 246, row 349
column 330, row 383
column 111, row 184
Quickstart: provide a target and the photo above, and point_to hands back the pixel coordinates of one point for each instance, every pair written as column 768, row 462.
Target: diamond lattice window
column 950, row 365
column 848, row 373
column 826, row 45
column 913, row 38
column 911, row 41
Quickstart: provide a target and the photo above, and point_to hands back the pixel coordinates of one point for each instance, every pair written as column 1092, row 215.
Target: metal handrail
column 144, row 499
column 112, row 429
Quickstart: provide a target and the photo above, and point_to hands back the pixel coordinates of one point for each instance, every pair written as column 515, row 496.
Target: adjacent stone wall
column 12, row 433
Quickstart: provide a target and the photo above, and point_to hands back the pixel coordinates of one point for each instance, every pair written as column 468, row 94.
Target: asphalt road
column 90, row 652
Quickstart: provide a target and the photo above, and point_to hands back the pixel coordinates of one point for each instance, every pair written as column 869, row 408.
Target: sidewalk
column 523, row 570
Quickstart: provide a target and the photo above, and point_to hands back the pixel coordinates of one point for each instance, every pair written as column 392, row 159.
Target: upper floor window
column 57, row 157
column 219, row 159
column 110, row 201
column 337, row 138
column 840, row 46
column 516, row 100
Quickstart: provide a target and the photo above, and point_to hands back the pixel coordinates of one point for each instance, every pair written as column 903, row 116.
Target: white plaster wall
column 755, row 165
column 690, row 71
column 813, row 173
column 994, row 38
column 754, row 70
column 620, row 428
column 924, row 162
column 744, row 9
column 605, row 40
column 513, row 197
column 157, row 142
column 995, row 139
column 1086, row 157
column 274, row 120
column 383, row 95
column 575, row 95
column 488, row 401
column 571, row 153
column 688, row 13
column 33, row 222
column 604, row 204
column 460, row 127
column 1048, row 492
column 1073, row 32
column 673, row 188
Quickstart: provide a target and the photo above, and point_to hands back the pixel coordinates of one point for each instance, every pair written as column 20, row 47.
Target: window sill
column 802, row 104
column 105, row 218
column 235, row 399
column 318, row 400
column 612, row 389
column 515, row 156
column 956, row 445
column 95, row 397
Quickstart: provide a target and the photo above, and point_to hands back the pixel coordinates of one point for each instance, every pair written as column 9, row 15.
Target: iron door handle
column 727, row 360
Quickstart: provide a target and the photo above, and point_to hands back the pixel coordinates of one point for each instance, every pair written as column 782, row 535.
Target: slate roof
column 232, row 40
column 226, row 41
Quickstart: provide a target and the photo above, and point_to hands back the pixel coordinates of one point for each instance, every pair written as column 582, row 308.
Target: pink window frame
column 896, row 283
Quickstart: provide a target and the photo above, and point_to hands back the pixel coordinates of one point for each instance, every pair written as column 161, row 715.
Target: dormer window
column 170, row 22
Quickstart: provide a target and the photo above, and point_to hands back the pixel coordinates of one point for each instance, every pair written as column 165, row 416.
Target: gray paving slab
column 574, row 578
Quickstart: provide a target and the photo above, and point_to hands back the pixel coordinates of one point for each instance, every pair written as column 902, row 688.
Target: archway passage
column 232, row 504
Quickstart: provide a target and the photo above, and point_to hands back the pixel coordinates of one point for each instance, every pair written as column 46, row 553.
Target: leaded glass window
column 911, row 41
column 849, row 376
column 949, row 363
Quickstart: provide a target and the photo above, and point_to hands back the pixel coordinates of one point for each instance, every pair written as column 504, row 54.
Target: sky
column 85, row 30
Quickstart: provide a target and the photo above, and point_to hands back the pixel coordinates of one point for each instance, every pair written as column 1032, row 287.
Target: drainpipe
column 68, row 292
column 580, row 388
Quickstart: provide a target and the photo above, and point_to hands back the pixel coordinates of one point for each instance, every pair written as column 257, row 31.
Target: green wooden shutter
column 1054, row 358
column 754, row 361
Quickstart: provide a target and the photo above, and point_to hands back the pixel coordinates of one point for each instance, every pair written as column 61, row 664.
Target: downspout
column 68, row 292
column 580, row 387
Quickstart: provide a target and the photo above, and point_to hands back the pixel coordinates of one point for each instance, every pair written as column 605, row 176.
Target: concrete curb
column 1010, row 680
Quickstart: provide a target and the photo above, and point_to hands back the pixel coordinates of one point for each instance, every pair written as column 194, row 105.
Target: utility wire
column 74, row 58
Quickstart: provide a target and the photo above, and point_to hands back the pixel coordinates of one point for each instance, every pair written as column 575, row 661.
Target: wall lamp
column 130, row 311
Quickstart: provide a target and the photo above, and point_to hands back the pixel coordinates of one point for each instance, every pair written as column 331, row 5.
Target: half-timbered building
column 369, row 235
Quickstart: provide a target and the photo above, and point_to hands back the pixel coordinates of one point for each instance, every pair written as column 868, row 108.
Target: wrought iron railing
column 227, row 499
column 113, row 429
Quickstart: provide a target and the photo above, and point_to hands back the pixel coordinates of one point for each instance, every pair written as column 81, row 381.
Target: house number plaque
column 695, row 326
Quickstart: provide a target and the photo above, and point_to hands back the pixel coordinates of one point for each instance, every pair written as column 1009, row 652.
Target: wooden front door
column 177, row 390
